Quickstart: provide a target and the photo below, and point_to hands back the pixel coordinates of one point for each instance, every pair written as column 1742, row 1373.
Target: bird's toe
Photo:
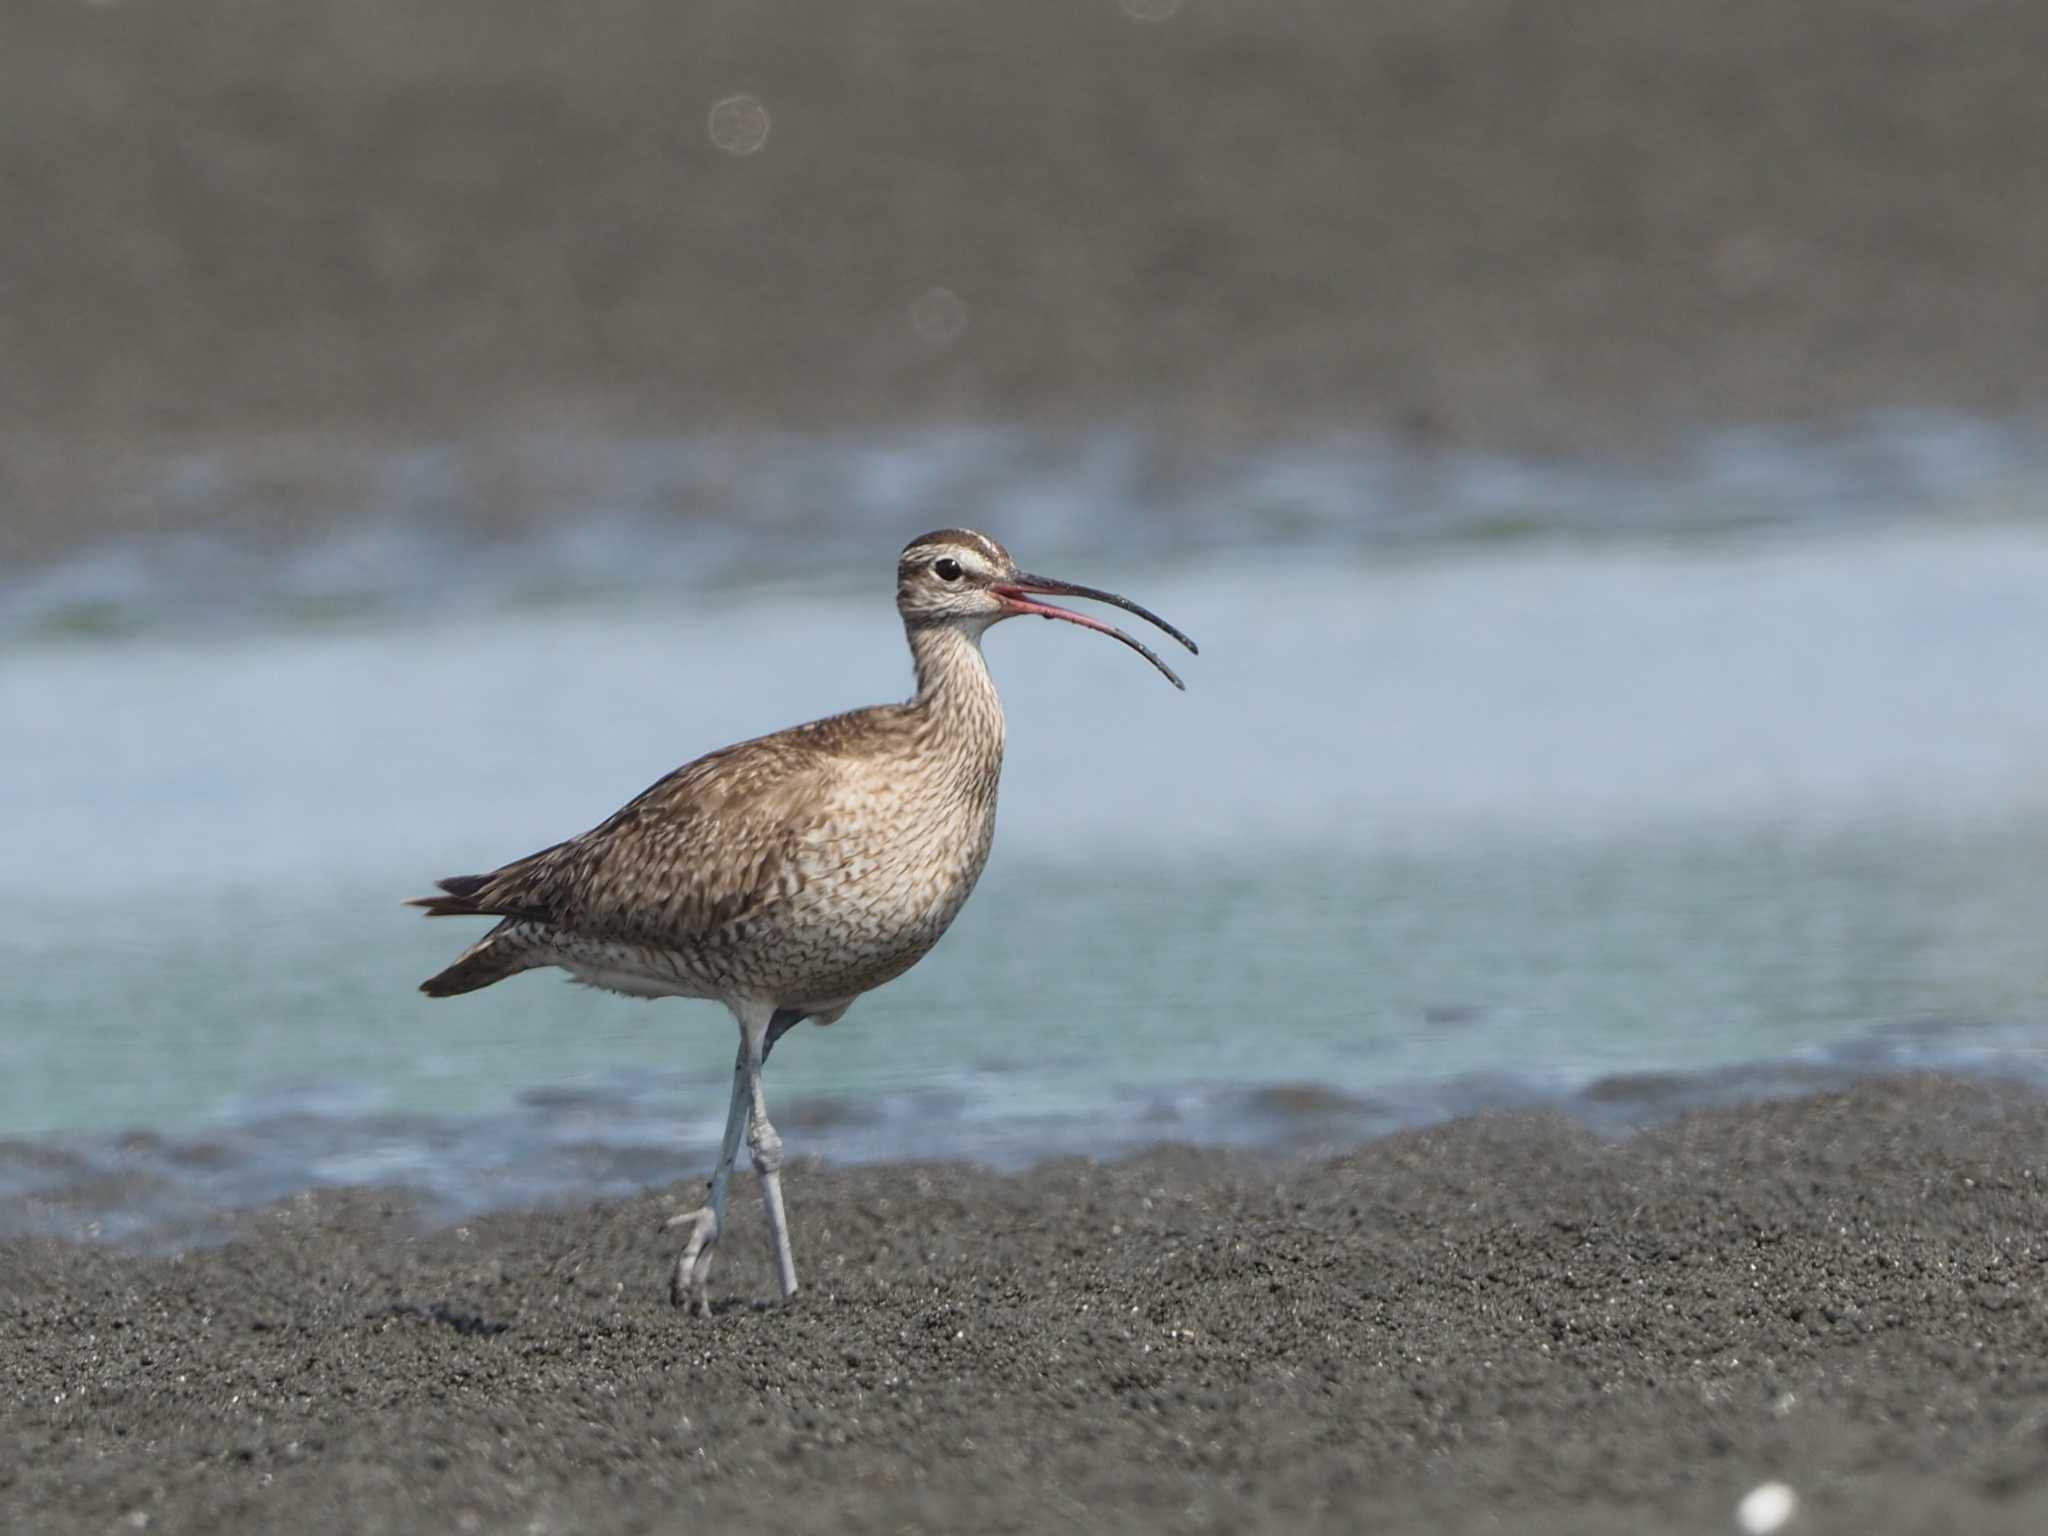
column 688, row 1285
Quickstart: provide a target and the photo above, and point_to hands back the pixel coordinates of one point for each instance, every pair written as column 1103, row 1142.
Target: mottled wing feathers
column 709, row 845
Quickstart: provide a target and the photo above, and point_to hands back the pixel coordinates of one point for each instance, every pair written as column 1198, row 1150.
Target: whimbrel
column 787, row 875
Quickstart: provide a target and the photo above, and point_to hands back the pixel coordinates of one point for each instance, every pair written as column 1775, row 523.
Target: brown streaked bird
column 787, row 875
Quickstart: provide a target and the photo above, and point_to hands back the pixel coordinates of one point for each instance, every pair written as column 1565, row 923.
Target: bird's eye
column 948, row 570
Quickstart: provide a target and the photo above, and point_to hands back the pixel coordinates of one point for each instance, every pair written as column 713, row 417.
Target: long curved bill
column 1018, row 591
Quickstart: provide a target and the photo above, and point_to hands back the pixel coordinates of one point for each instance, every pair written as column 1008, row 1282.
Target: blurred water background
column 1621, row 608
column 1622, row 821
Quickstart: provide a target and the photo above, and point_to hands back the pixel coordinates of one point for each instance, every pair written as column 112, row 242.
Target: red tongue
column 1020, row 602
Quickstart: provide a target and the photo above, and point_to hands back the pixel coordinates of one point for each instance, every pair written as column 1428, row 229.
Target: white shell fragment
column 1766, row 1508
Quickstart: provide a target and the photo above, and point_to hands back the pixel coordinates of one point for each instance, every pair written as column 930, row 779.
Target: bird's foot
column 689, row 1285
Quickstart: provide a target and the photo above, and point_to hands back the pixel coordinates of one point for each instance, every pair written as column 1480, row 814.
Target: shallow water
column 1618, row 825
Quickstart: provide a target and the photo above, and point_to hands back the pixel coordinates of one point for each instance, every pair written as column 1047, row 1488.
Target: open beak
column 1018, row 591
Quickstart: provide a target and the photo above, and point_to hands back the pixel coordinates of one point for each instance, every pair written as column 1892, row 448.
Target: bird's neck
column 955, row 693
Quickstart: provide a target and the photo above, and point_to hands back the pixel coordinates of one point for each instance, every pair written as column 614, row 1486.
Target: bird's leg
column 687, row 1287
column 783, row 1021
column 766, row 1147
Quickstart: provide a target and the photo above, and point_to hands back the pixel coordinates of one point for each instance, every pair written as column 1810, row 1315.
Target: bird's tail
column 456, row 899
column 485, row 962
column 498, row 954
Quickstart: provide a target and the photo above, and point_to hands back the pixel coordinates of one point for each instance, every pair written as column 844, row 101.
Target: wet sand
column 1503, row 1323
column 280, row 233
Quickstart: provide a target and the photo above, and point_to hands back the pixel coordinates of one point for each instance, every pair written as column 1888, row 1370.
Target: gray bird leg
column 687, row 1287
column 747, row 1113
column 766, row 1147
column 783, row 1021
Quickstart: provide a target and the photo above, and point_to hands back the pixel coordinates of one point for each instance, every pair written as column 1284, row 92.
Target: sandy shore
column 1499, row 1324
column 279, row 232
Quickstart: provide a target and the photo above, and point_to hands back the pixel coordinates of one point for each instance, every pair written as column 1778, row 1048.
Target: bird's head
column 968, row 581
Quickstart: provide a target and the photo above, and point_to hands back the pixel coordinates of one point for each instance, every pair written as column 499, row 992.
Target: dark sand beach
column 1500, row 1324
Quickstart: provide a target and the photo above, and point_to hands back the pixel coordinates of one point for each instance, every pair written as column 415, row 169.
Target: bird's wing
column 712, row 843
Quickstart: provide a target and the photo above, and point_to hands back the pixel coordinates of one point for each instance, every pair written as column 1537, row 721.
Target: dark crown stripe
column 957, row 538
